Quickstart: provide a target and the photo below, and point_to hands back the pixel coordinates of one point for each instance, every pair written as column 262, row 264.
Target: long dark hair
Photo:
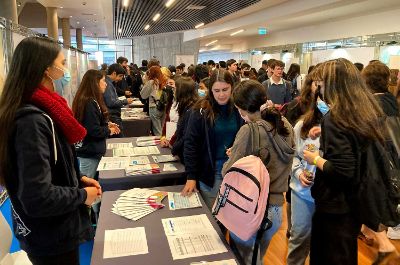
column 208, row 103
column 352, row 105
column 89, row 90
column 294, row 71
column 31, row 58
column 186, row 94
column 249, row 95
column 311, row 118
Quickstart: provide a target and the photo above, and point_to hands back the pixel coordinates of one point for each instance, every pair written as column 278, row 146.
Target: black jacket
column 94, row 144
column 199, row 147
column 331, row 187
column 49, row 215
column 177, row 147
column 388, row 104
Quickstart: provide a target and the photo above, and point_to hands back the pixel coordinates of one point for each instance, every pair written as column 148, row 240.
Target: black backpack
column 375, row 196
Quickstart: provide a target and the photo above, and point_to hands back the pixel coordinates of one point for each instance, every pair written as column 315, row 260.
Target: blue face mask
column 66, row 78
column 201, row 93
column 323, row 107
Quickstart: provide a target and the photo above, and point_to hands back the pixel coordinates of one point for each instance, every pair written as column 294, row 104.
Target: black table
column 117, row 180
column 159, row 251
column 136, row 127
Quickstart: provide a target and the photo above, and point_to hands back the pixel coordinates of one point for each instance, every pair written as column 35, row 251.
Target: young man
column 232, row 66
column 278, row 89
column 121, row 86
column 267, row 71
column 115, row 73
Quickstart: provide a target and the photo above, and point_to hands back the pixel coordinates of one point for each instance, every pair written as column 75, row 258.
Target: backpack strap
column 265, row 225
column 255, row 138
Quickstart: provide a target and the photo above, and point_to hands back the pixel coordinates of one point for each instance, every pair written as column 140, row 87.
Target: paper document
column 164, row 158
column 220, row 262
column 192, row 236
column 139, row 160
column 119, row 145
column 170, row 129
column 147, row 138
column 122, row 98
column 125, row 242
column 142, row 169
column 137, row 203
column 169, row 167
column 112, row 163
column 136, row 151
column 176, row 201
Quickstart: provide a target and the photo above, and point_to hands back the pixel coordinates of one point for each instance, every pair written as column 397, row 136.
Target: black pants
column 69, row 258
column 334, row 239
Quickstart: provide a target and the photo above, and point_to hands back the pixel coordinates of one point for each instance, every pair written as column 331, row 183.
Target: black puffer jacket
column 49, row 215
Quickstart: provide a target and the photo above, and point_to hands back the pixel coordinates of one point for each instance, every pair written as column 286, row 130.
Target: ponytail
column 274, row 117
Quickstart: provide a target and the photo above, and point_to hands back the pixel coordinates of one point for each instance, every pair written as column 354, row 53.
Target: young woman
column 152, row 90
column 90, row 110
column 276, row 139
column 301, row 180
column 350, row 124
column 211, row 130
column 186, row 96
column 37, row 160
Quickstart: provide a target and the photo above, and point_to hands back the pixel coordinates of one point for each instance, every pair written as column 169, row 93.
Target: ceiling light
column 237, row 32
column 83, row 27
column 126, row 3
column 176, row 20
column 156, row 17
column 147, row 27
column 77, row 22
column 19, row 4
column 195, row 7
column 61, row 7
column 119, row 30
column 169, row 3
column 70, row 16
column 199, row 25
column 210, row 43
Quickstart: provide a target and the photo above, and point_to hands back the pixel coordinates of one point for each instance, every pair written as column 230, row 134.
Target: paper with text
column 176, row 201
column 125, row 242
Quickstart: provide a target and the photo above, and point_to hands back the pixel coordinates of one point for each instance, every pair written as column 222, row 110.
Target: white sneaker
column 394, row 232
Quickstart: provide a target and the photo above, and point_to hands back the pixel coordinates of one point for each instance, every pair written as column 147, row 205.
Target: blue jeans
column 209, row 194
column 157, row 120
column 88, row 166
column 300, row 233
column 245, row 248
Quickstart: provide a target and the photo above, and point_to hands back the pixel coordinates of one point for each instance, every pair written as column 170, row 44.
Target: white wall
column 223, row 56
column 355, row 55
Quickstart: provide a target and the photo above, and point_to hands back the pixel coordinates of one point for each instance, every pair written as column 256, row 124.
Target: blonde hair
column 166, row 73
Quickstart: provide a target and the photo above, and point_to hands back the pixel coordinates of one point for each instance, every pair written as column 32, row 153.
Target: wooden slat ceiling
column 132, row 19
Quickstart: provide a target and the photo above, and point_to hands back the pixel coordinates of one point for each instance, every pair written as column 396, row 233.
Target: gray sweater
column 281, row 150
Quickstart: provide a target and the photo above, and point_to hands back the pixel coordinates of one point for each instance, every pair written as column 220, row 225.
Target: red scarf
column 57, row 108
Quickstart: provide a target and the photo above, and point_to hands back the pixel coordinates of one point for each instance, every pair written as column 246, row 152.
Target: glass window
column 107, row 47
column 89, row 47
column 109, row 57
column 106, row 41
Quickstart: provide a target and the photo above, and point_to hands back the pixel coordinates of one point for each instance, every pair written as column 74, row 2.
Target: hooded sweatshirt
column 388, row 103
column 279, row 148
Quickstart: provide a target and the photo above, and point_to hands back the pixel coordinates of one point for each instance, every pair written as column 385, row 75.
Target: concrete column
column 79, row 39
column 52, row 22
column 66, row 32
column 8, row 10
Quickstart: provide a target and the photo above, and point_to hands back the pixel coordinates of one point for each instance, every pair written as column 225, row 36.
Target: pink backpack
column 243, row 194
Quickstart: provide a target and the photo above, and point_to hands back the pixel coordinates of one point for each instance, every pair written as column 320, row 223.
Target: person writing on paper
column 115, row 73
column 89, row 109
column 38, row 165
column 186, row 96
column 211, row 129
column 276, row 149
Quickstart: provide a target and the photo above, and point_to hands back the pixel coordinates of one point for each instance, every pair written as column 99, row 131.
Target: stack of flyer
column 133, row 170
column 148, row 140
column 137, row 203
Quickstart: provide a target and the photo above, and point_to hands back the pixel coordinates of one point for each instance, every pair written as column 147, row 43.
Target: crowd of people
column 313, row 127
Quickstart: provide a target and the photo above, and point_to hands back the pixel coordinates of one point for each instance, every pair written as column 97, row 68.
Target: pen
column 172, row 226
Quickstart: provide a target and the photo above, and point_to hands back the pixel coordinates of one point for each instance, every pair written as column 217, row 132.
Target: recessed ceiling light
column 169, row 3
column 126, row 3
column 211, row 43
column 237, row 32
column 119, row 30
column 147, row 27
column 195, row 7
column 70, row 16
column 77, row 22
column 199, row 25
column 19, row 4
column 61, row 7
column 176, row 20
column 83, row 27
column 156, row 17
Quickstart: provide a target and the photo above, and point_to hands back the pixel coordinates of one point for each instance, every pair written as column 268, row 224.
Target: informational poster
column 386, row 52
column 394, row 62
column 186, row 59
